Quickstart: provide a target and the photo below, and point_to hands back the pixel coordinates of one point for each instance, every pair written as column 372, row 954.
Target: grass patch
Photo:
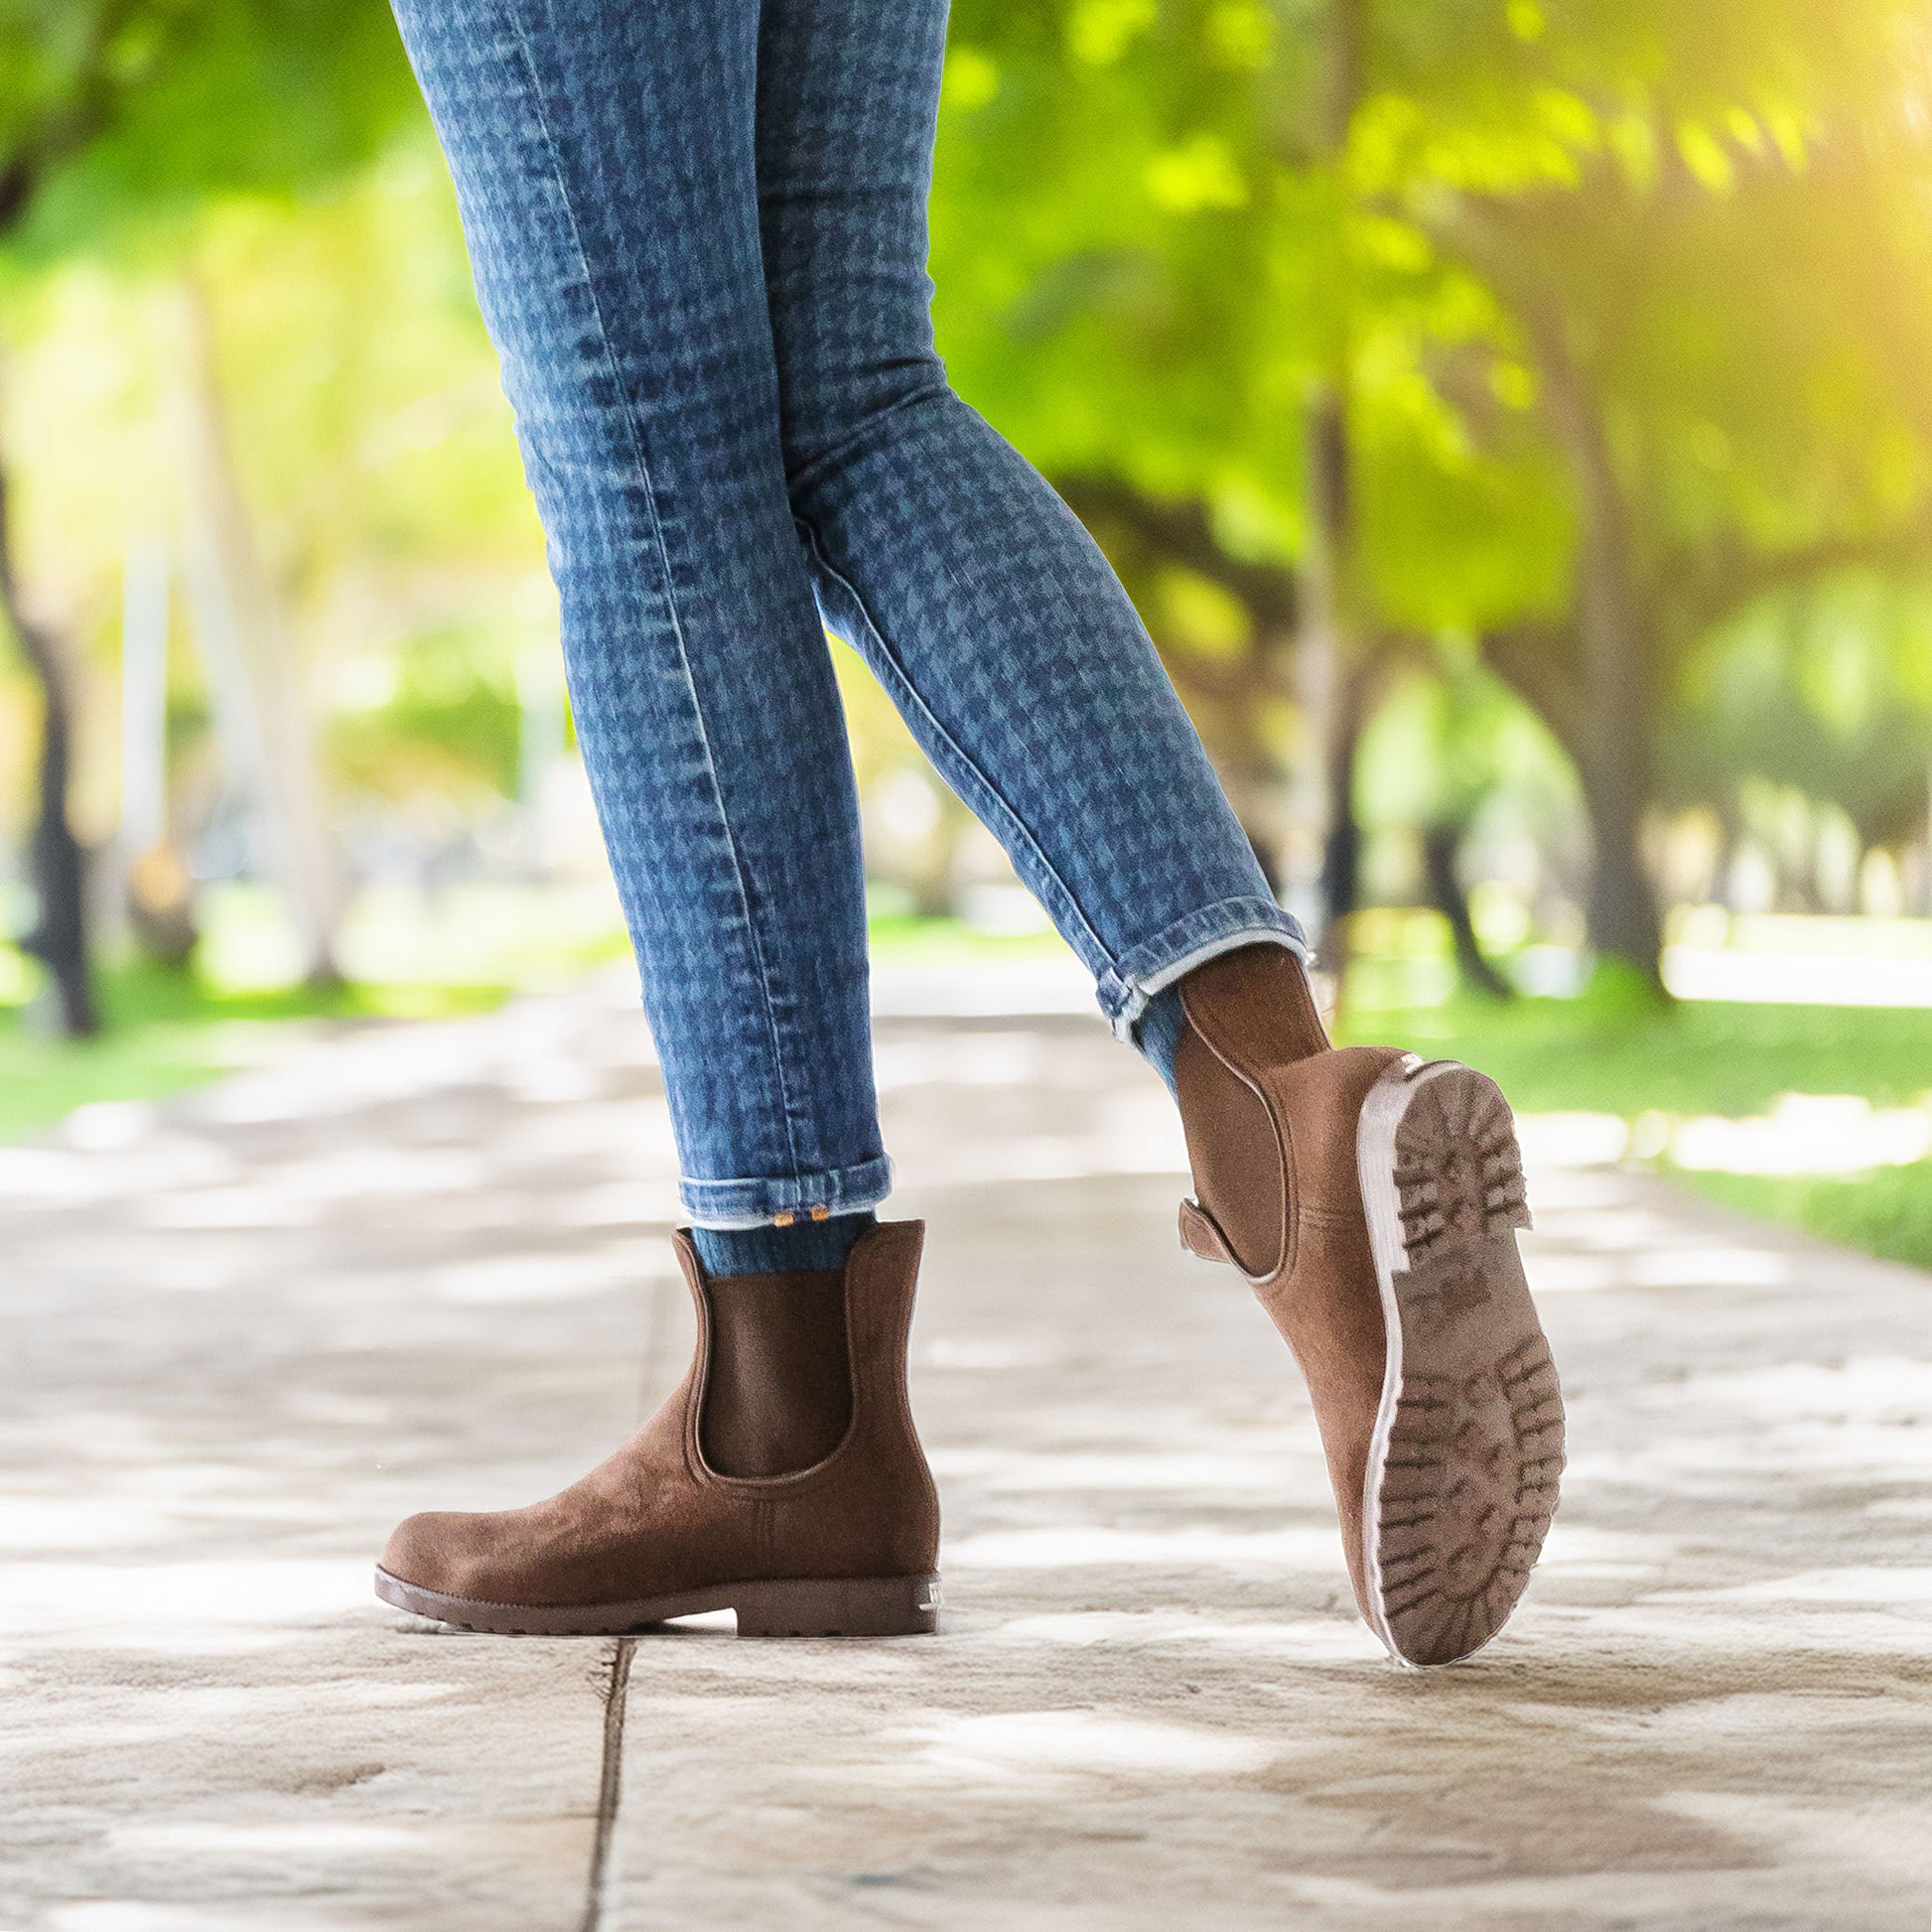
column 165, row 1031
column 1611, row 1050
column 1614, row 1052
column 407, row 955
column 1888, row 1211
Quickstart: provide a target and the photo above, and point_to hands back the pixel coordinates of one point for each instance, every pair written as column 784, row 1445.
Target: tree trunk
column 1608, row 732
column 1317, row 659
column 1925, row 884
column 1622, row 918
column 57, row 860
column 1614, row 753
column 1328, row 535
column 157, row 893
column 259, row 701
column 1341, row 862
column 1341, row 855
column 1441, row 844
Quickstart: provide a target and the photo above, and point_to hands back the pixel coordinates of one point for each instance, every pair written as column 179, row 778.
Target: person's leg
column 1370, row 1200
column 979, row 600
column 603, row 155
column 604, row 158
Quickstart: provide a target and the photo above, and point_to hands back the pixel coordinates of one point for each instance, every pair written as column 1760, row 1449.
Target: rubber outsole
column 1464, row 1467
column 811, row 1607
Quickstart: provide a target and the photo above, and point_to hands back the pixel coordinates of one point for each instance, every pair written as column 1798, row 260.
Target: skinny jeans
column 698, row 232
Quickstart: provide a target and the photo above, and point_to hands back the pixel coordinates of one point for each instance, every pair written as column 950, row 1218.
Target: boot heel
column 840, row 1606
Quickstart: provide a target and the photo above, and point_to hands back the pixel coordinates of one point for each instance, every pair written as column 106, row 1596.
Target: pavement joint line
column 610, row 1791
column 616, row 1682
column 1712, row 1708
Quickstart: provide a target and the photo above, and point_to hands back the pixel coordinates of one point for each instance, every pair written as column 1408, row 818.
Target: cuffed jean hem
column 726, row 1205
column 1125, row 987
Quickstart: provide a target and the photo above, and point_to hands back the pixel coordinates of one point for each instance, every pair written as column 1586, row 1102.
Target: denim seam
column 952, row 745
column 791, row 1194
column 1139, row 989
column 634, row 430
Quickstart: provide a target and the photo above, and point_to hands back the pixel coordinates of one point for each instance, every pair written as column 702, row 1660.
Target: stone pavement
column 426, row 1267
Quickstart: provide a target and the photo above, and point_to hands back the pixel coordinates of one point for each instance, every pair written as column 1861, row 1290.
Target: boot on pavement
column 784, row 1480
column 1372, row 1201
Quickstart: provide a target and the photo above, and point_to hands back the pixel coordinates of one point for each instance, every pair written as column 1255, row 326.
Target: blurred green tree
column 1588, row 330
column 116, row 116
column 1825, row 690
column 1573, row 326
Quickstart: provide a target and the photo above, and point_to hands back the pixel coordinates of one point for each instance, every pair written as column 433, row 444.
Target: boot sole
column 841, row 1606
column 1464, row 1465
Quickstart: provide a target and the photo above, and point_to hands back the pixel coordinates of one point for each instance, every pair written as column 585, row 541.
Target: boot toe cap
column 439, row 1551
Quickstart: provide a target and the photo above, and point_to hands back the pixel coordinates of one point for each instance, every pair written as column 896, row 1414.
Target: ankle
column 1265, row 986
column 1158, row 1033
column 769, row 1249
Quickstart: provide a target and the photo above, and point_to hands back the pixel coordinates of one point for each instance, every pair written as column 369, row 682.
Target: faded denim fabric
column 698, row 234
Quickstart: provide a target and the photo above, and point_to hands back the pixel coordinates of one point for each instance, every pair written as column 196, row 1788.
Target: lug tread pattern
column 1476, row 1446
column 1458, row 1171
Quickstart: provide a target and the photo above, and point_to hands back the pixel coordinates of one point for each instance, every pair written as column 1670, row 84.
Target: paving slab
column 427, row 1267
column 1153, row 1704
column 241, row 1334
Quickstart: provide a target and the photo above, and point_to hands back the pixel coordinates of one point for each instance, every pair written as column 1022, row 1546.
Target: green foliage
column 442, row 726
column 1626, row 309
column 1615, row 1051
column 1143, row 261
column 170, row 1031
column 1886, row 1213
column 1826, row 690
column 375, row 447
column 1604, row 1053
column 1699, row 231
column 114, row 112
column 1446, row 740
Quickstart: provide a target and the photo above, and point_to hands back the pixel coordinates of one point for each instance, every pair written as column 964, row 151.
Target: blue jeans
column 698, row 234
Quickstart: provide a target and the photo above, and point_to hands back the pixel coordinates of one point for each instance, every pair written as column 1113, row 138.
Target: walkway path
column 427, row 1267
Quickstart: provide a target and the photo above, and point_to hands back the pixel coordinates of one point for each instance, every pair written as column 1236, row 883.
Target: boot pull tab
column 1200, row 1234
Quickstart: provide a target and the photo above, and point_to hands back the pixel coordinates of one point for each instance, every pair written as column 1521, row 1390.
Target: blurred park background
column 1512, row 417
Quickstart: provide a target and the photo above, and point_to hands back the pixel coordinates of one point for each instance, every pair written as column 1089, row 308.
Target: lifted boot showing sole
column 828, row 1526
column 1372, row 1200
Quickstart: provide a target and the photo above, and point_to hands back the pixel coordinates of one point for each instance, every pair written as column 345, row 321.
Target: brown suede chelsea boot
column 1372, row 1200
column 784, row 1480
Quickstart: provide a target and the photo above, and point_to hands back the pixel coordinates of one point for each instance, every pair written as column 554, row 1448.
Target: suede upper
column 1271, row 1134
column 655, row 1519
